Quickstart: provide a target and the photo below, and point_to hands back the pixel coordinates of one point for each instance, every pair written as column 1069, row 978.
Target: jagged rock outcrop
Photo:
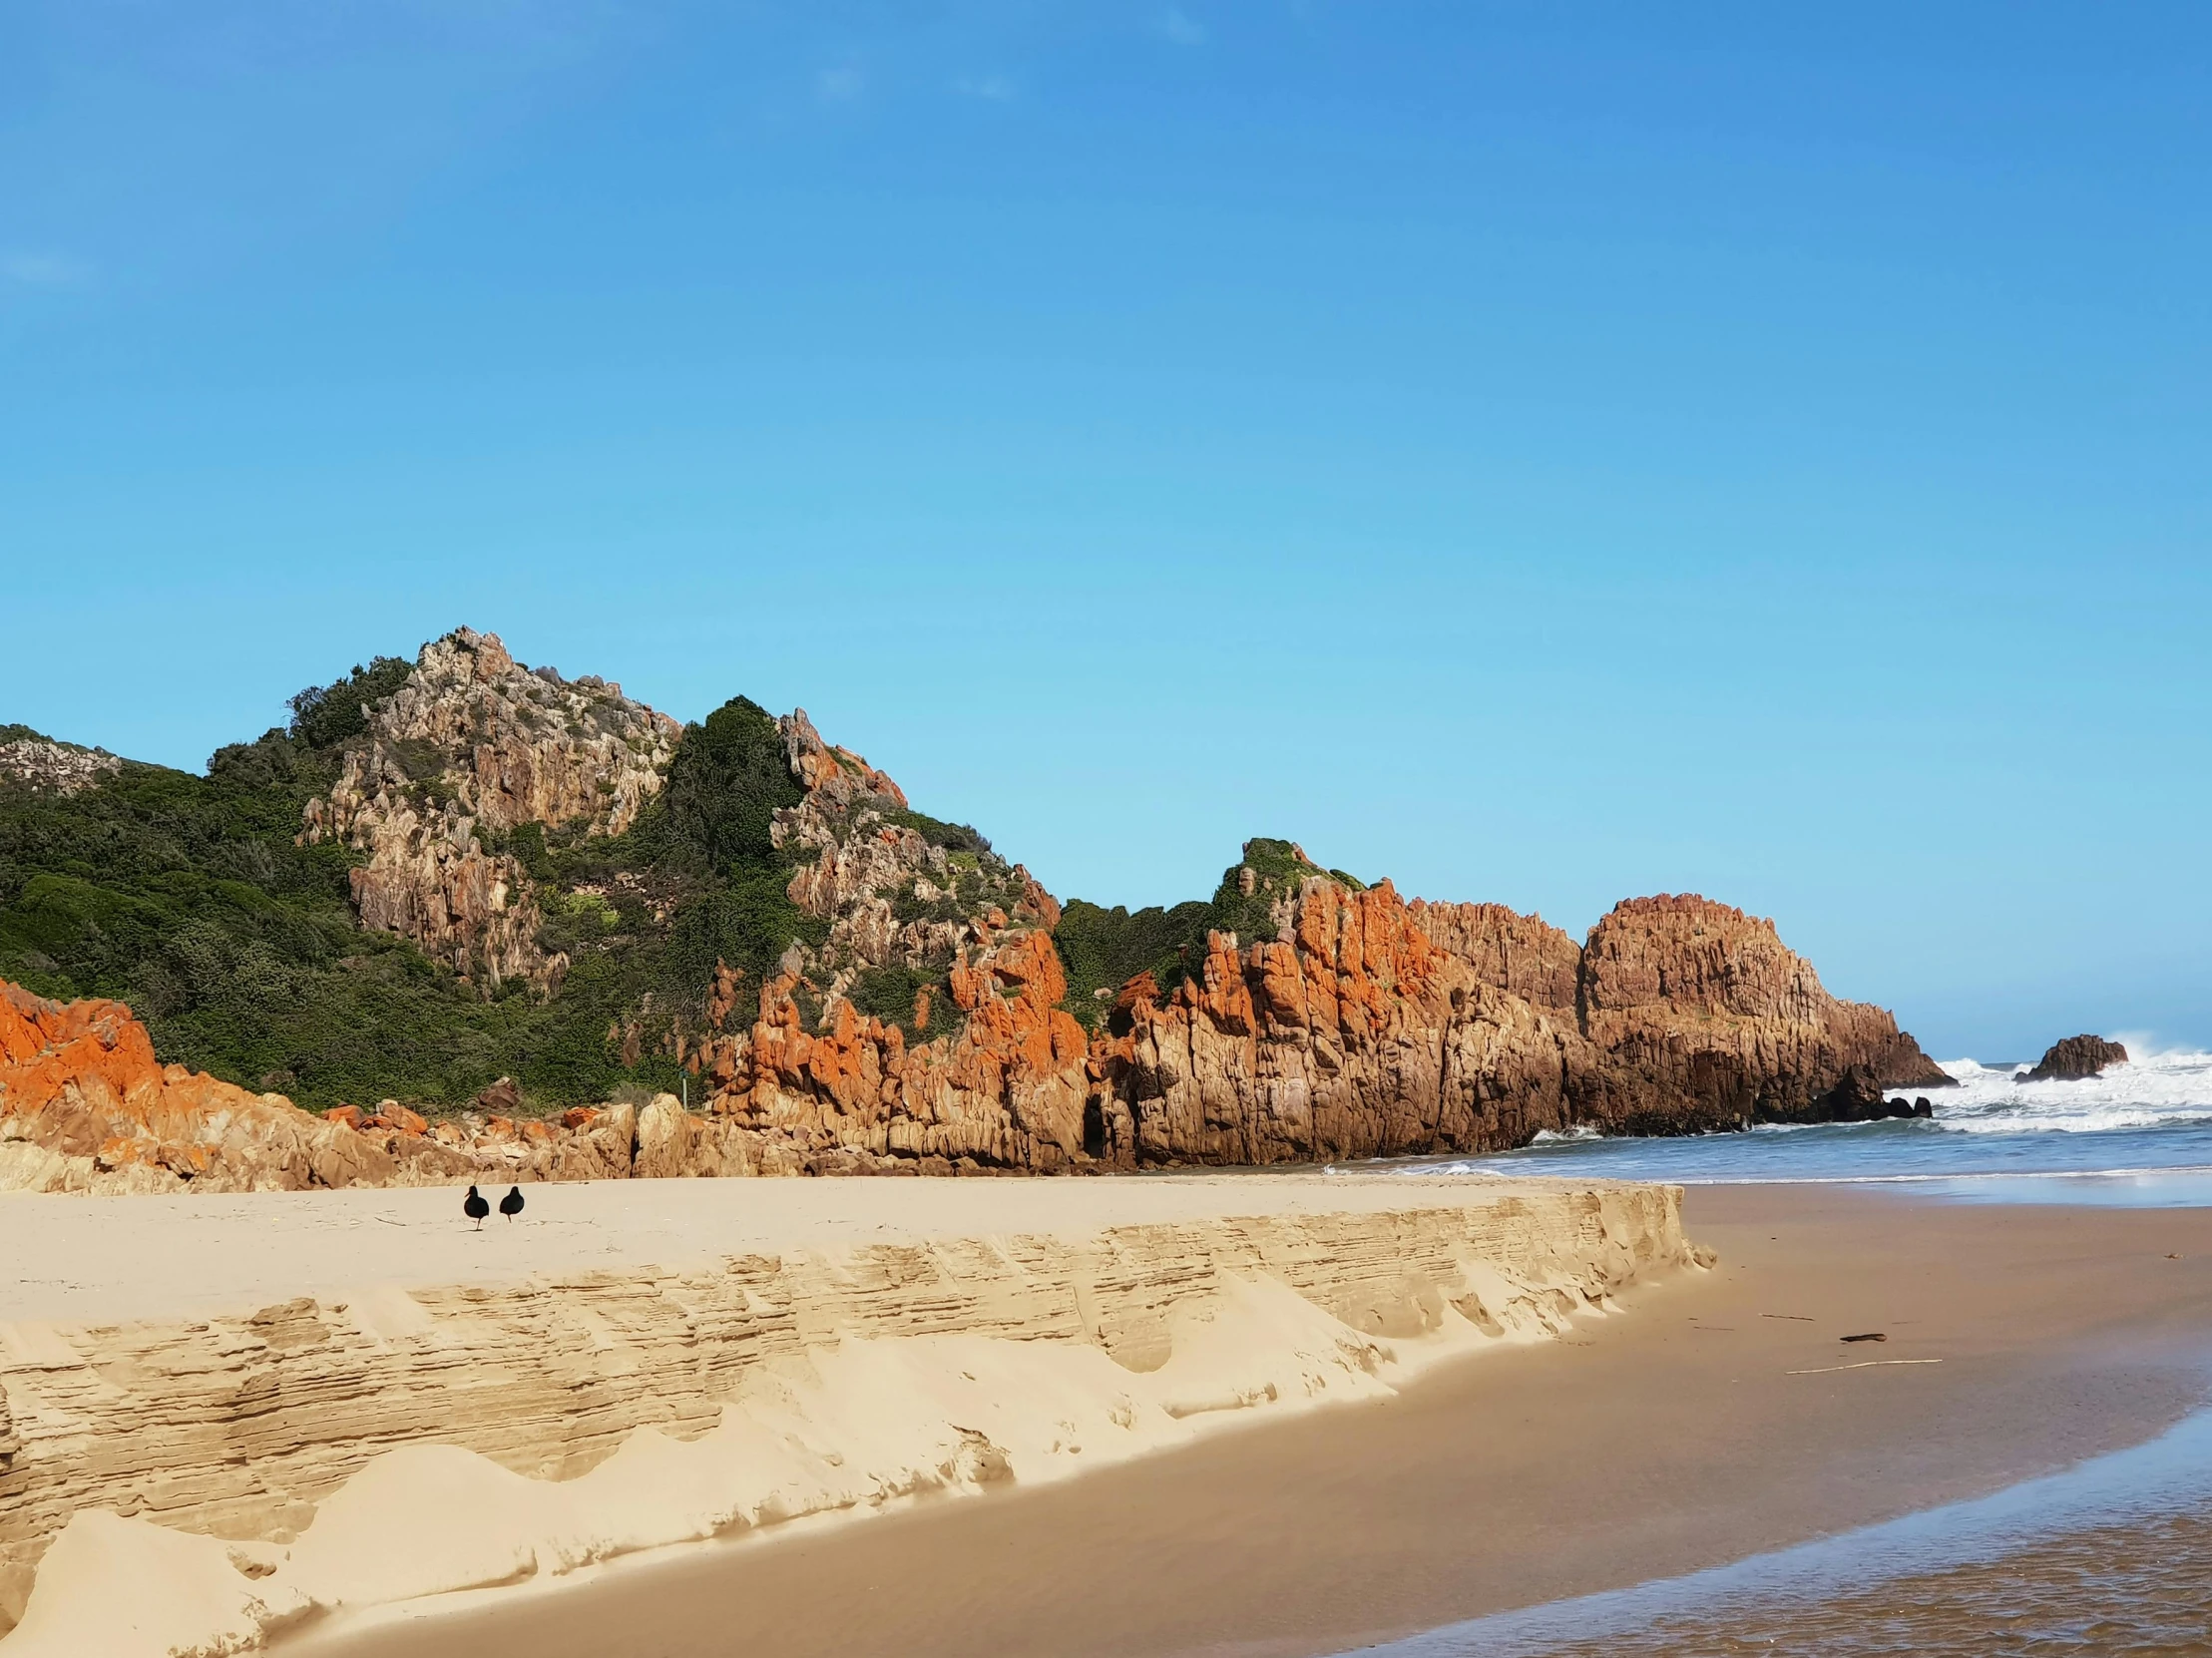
column 1371, row 1028
column 86, row 1107
column 475, row 741
column 2075, row 1060
column 61, row 767
column 1353, row 1034
column 891, row 895
column 911, row 1015
column 1007, row 1089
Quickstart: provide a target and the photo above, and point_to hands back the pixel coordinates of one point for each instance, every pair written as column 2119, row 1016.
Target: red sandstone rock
column 396, row 1117
column 1372, row 1028
column 84, row 1105
column 1707, row 1017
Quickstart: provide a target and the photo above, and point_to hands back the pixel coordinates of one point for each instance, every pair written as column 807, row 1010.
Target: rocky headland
column 558, row 936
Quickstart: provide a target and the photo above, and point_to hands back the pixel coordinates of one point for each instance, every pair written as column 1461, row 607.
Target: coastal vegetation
column 1103, row 949
column 190, row 898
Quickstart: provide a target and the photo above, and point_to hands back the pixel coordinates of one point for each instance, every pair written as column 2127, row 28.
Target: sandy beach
column 1714, row 1421
column 75, row 1261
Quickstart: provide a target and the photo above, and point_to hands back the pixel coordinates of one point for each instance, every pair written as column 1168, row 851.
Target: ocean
column 2141, row 1134
column 2112, row 1555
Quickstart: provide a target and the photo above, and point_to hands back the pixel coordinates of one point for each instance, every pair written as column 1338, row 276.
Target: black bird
column 510, row 1205
column 475, row 1208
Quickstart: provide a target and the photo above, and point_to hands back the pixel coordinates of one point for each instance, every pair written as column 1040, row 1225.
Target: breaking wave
column 2156, row 1090
column 2139, row 1134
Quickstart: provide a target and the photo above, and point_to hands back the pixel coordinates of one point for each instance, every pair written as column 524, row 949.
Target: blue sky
column 1544, row 453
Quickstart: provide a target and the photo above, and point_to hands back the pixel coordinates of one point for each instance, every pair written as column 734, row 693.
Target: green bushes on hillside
column 726, row 780
column 186, row 897
column 1102, row 949
column 324, row 716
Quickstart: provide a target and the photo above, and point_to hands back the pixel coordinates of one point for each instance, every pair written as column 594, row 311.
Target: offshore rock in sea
column 2075, row 1060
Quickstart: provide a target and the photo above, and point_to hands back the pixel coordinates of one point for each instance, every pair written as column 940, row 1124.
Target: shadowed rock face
column 2075, row 1060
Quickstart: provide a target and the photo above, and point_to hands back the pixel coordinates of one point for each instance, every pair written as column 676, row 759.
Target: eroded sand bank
column 1707, row 1425
column 233, row 1416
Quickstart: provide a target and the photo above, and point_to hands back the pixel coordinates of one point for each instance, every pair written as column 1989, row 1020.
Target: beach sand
column 222, row 1416
column 1709, row 1423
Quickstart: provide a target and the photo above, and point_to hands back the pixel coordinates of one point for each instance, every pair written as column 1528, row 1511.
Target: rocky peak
column 517, row 746
column 898, row 888
column 470, row 746
column 838, row 776
column 1696, row 956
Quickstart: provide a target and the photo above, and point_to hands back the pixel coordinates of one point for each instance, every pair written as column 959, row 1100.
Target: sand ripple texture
column 190, row 1486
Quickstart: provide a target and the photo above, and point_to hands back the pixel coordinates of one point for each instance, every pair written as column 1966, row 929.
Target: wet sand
column 1658, row 1443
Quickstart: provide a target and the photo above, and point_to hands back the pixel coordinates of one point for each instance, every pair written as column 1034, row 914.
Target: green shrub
column 889, row 994
column 1105, row 949
column 726, row 780
column 324, row 716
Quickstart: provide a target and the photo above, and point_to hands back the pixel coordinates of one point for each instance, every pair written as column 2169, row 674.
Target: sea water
column 2113, row 1555
column 2140, row 1134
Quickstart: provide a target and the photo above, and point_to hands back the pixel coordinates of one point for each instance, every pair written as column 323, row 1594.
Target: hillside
column 449, row 872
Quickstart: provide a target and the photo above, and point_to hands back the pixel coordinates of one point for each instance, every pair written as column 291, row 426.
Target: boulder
column 2075, row 1060
column 501, row 1099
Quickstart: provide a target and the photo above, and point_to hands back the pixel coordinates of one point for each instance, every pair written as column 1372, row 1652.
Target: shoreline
column 1704, row 1427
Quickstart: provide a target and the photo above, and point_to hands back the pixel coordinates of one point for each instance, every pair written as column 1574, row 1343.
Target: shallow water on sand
column 2113, row 1555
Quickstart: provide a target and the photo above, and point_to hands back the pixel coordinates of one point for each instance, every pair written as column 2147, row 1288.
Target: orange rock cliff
column 1372, row 1028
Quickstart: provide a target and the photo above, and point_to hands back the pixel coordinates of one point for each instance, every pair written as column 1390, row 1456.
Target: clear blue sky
column 1542, row 452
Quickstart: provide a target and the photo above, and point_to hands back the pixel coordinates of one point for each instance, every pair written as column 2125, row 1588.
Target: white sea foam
column 2156, row 1090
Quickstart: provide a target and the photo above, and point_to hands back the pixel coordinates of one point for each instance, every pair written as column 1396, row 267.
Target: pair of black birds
column 475, row 1207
